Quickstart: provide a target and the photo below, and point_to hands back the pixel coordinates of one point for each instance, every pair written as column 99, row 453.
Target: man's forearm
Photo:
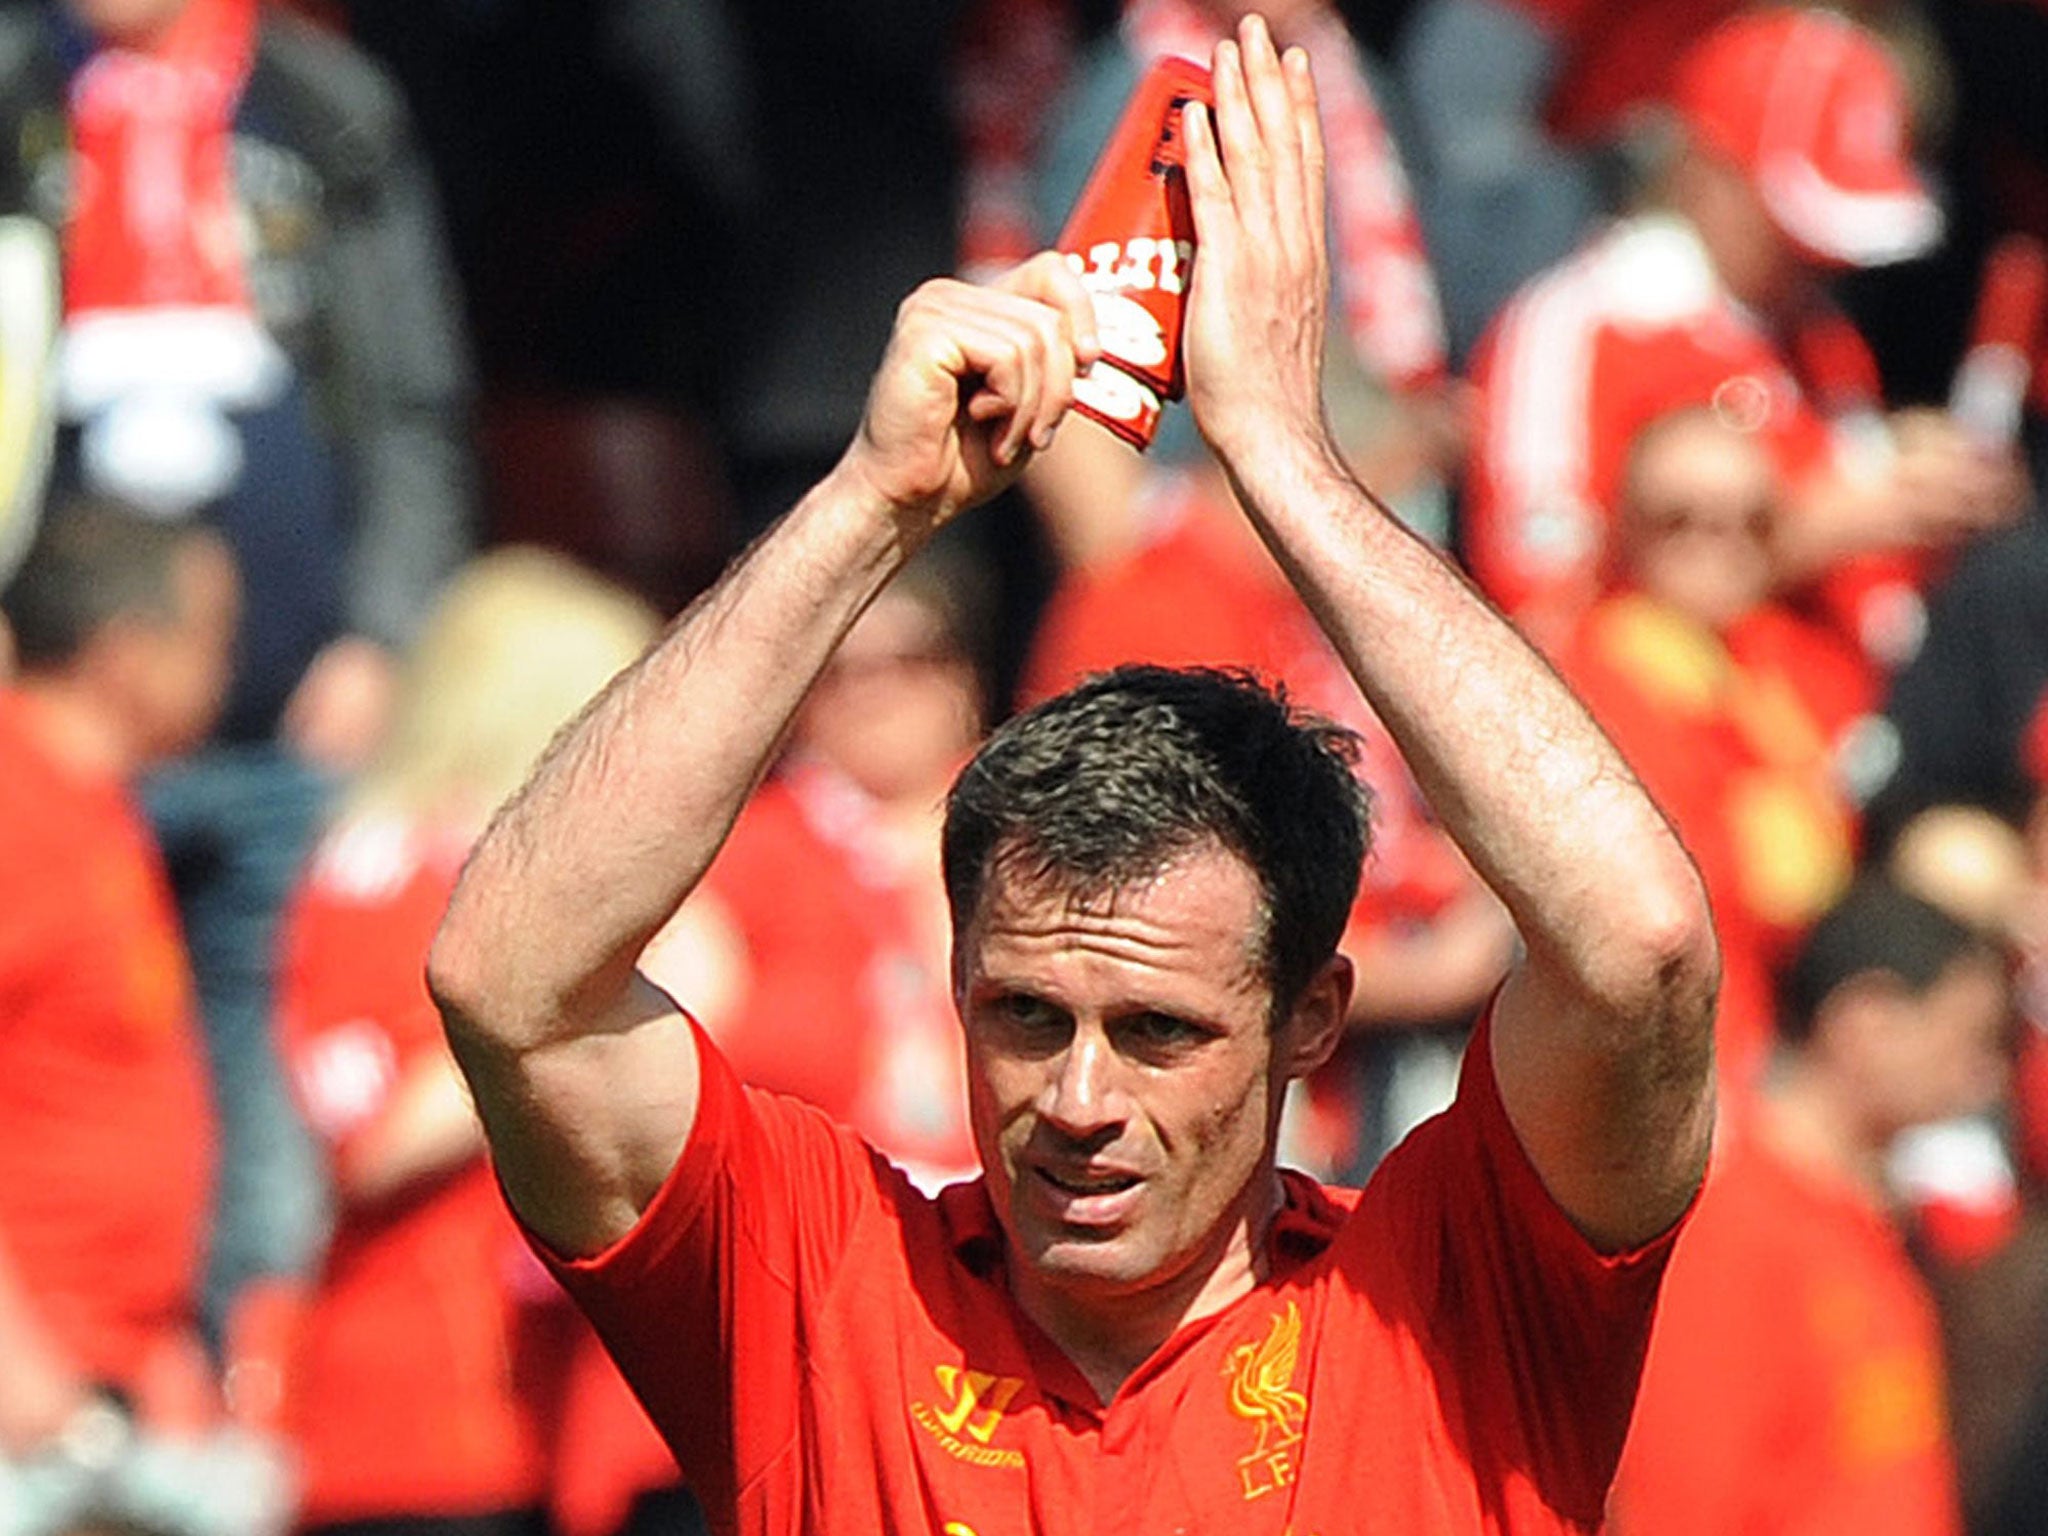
column 1603, row 1038
column 1529, row 786
column 630, row 806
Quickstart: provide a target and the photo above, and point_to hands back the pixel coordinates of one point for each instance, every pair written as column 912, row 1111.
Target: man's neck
column 1108, row 1337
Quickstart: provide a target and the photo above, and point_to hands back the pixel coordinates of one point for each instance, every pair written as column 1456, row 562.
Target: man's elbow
column 459, row 981
column 1672, row 957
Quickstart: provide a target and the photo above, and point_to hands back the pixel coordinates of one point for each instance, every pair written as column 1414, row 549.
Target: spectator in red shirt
column 1795, row 1377
column 107, row 1404
column 1133, row 1321
column 1730, row 709
column 417, row 1382
column 1793, row 165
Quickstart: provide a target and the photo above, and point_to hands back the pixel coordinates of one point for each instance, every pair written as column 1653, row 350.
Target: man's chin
column 1089, row 1261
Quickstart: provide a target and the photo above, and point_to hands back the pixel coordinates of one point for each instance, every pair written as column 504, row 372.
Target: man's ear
column 1312, row 1030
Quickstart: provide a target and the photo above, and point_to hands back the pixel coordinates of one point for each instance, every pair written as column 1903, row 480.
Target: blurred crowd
column 377, row 375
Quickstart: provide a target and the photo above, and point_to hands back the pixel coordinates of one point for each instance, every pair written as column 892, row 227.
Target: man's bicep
column 1615, row 1116
column 584, row 1130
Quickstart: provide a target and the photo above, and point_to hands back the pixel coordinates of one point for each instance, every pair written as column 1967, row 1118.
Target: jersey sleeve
column 1544, row 1333
column 705, row 1304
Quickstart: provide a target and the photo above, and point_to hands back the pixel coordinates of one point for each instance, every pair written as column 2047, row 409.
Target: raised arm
column 584, row 1072
column 1602, row 1035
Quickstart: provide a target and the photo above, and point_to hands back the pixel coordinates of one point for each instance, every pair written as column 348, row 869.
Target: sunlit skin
column 1125, row 1076
column 1754, row 257
column 1883, row 1058
column 189, row 657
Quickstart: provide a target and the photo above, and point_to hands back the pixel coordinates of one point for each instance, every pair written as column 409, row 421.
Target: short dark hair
column 93, row 561
column 1112, row 781
column 1875, row 929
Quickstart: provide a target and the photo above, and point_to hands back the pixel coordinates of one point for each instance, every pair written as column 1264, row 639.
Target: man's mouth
column 1084, row 1182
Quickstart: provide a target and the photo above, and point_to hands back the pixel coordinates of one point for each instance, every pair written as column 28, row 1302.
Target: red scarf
column 152, row 220
column 1388, row 294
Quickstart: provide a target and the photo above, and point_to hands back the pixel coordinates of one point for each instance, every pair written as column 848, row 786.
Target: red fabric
column 1724, row 741
column 826, row 1349
column 106, row 1131
column 1584, row 356
column 412, row 1388
column 607, row 1454
column 1832, row 678
column 1837, row 176
column 846, row 1006
column 152, row 221
column 1794, row 1386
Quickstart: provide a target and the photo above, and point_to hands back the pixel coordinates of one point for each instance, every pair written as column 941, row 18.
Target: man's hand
column 584, row 1072
column 1256, row 307
column 974, row 380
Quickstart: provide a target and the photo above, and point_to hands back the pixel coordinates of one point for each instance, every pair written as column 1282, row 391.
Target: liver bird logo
column 1262, row 1385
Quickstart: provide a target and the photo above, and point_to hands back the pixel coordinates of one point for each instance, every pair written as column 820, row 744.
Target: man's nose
column 1082, row 1098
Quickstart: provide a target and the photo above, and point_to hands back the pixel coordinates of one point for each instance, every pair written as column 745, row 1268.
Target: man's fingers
column 1048, row 279
column 1016, row 359
column 1237, row 131
column 1271, row 102
column 1208, row 188
column 1308, row 127
column 1004, row 351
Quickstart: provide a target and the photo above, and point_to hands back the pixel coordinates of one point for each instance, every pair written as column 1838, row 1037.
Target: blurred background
column 377, row 376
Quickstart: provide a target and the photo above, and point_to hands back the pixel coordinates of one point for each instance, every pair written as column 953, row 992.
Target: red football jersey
column 106, row 1128
column 827, row 1349
column 1794, row 1385
column 414, row 1388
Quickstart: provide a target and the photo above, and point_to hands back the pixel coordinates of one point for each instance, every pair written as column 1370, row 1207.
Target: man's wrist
column 1272, row 469
column 867, row 512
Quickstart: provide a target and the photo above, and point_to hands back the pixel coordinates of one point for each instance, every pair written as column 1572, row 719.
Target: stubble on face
column 1122, row 1083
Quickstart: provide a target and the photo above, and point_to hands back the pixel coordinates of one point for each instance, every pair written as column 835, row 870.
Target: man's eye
column 1156, row 1032
column 1023, row 1012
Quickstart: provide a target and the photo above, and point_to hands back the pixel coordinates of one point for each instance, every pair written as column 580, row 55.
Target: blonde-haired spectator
column 418, row 1384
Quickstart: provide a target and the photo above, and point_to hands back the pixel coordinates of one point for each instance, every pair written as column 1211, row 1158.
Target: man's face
column 896, row 708
column 1697, row 521
column 1124, row 1074
column 1945, row 1052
